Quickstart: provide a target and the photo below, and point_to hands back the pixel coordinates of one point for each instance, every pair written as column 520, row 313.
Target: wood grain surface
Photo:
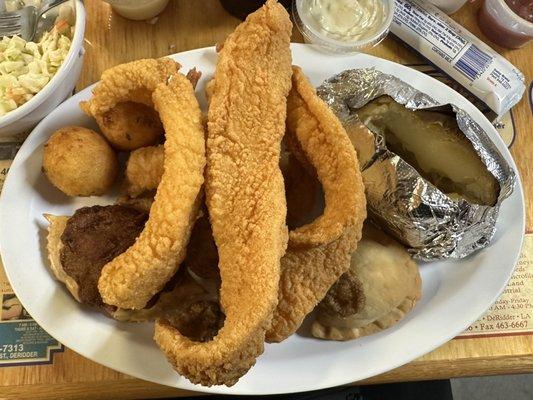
column 186, row 25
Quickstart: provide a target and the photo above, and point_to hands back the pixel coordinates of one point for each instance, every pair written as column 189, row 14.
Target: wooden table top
column 186, row 25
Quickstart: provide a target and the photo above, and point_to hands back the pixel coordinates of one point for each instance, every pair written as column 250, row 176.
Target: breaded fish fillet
column 319, row 252
column 245, row 197
column 131, row 279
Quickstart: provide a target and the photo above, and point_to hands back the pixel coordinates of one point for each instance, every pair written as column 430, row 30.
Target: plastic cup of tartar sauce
column 343, row 26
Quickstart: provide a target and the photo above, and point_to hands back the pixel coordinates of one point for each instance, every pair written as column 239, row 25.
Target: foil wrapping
column 431, row 224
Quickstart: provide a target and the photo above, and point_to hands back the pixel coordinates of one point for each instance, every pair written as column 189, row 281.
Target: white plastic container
column 316, row 36
column 448, row 6
column 138, row 9
column 58, row 89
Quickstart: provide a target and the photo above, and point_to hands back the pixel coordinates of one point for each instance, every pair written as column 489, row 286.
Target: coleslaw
column 26, row 67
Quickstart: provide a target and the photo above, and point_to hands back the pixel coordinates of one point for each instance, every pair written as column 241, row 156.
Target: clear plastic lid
column 506, row 17
column 313, row 34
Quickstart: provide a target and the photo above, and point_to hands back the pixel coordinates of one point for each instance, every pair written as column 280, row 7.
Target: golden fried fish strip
column 245, row 197
column 307, row 275
column 326, row 146
column 144, row 170
column 133, row 81
column 319, row 252
column 131, row 279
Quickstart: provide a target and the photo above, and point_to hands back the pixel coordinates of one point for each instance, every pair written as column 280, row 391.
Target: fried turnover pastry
column 131, row 279
column 245, row 197
column 77, row 247
column 381, row 286
column 319, row 252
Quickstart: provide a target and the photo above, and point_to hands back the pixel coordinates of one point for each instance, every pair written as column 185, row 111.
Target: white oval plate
column 455, row 293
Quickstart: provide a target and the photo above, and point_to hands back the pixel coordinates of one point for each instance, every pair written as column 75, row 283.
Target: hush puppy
column 129, row 126
column 79, row 162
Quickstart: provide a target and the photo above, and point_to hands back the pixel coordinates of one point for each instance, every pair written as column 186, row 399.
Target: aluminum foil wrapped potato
column 434, row 179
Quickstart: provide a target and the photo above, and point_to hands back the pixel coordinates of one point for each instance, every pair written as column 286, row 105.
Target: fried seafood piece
column 245, row 197
column 199, row 321
column 130, row 125
column 184, row 301
column 381, row 286
column 131, row 279
column 144, row 170
column 319, row 252
column 133, row 81
column 315, row 132
column 143, row 202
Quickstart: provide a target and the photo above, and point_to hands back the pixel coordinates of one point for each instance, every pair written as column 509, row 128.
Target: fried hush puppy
column 79, row 162
column 129, row 126
column 245, row 197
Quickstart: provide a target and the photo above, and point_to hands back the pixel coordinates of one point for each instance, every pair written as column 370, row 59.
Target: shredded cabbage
column 26, row 67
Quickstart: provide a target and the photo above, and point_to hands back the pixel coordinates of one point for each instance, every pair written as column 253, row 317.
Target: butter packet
column 460, row 54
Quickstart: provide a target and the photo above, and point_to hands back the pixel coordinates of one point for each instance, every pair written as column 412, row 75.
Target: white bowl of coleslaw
column 42, row 99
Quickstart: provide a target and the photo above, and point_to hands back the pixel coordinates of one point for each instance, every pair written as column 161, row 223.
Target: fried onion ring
column 245, row 197
column 319, row 252
column 131, row 279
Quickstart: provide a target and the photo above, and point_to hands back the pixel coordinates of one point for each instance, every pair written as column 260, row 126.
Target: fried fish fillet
column 133, row 81
column 319, row 252
column 245, row 197
column 131, row 279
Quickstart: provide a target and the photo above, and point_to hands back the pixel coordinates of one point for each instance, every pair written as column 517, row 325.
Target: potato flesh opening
column 432, row 143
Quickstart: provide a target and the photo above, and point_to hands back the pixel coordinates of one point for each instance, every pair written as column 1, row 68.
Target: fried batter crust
column 133, row 81
column 326, row 146
column 319, row 252
column 245, row 197
column 131, row 279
